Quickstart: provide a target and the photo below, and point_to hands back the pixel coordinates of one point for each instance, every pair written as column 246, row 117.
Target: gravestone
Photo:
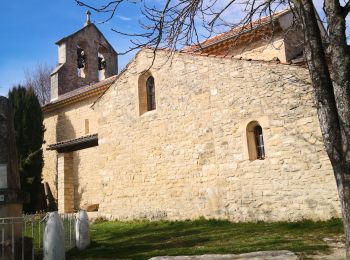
column 11, row 197
column 54, row 244
column 82, row 230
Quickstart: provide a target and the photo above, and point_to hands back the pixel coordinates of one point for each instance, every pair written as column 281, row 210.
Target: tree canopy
column 38, row 79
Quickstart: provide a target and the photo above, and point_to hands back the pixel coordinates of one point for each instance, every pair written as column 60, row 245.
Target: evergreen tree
column 29, row 131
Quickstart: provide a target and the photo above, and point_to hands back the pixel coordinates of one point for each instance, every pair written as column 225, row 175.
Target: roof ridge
column 82, row 29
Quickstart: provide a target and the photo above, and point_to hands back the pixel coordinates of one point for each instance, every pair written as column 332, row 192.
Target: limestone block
column 90, row 207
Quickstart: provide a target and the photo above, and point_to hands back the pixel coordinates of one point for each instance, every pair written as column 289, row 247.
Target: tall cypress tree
column 29, row 131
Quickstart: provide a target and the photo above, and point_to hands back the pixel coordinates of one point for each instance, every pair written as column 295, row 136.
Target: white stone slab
column 54, row 248
column 3, row 176
column 82, row 230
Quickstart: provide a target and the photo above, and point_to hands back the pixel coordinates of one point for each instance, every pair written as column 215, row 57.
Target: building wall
column 50, row 157
column 66, row 123
column 284, row 41
column 262, row 50
column 294, row 46
column 189, row 157
column 87, row 182
column 284, row 45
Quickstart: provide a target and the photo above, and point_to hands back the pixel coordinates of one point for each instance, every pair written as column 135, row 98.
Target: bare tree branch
column 346, row 8
column 38, row 79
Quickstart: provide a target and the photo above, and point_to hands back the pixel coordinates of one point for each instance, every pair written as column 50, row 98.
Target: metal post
column 39, row 234
column 33, row 240
column 22, row 242
column 13, row 239
column 3, row 239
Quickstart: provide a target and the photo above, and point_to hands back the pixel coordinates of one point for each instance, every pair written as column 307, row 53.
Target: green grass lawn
column 144, row 239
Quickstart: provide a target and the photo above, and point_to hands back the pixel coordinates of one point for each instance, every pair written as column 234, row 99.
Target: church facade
column 227, row 130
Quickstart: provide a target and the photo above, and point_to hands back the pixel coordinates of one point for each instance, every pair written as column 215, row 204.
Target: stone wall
column 268, row 50
column 284, row 41
column 189, row 157
column 69, row 122
column 49, row 172
column 294, row 46
column 65, row 182
column 284, row 45
column 87, row 182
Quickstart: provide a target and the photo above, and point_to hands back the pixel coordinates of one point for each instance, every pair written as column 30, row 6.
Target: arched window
column 101, row 62
column 147, row 93
column 255, row 141
column 259, row 141
column 101, row 67
column 80, row 57
column 151, row 94
column 81, row 61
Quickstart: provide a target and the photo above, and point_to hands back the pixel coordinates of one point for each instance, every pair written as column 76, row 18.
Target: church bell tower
column 84, row 57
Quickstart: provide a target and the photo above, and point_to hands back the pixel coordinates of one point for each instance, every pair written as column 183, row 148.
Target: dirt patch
column 337, row 250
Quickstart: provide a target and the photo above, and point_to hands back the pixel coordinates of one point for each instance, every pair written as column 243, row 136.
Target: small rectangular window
column 87, row 126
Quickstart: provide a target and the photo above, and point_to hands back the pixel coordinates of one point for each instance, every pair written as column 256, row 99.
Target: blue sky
column 30, row 28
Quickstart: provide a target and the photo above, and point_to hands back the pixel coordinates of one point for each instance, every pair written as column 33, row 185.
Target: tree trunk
column 341, row 173
column 331, row 95
column 321, row 79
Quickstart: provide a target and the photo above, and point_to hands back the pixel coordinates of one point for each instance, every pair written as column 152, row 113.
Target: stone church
column 225, row 129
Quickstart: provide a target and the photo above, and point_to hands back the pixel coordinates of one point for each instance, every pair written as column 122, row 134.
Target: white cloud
column 124, row 18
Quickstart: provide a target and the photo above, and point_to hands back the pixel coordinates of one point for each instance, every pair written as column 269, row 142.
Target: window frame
column 255, row 141
column 146, row 92
column 151, row 93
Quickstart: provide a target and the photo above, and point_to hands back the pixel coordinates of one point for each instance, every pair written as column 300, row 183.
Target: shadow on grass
column 143, row 239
